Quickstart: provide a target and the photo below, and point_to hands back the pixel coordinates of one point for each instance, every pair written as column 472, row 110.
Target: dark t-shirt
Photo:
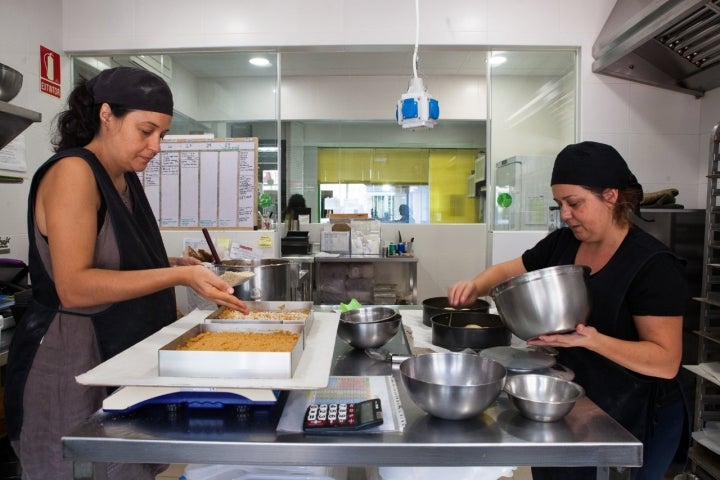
column 643, row 277
column 658, row 288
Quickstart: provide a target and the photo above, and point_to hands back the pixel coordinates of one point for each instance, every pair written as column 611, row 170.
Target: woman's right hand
column 462, row 293
column 214, row 289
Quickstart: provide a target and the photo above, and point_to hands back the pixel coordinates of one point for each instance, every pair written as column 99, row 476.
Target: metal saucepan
column 457, row 331
column 270, row 282
column 436, row 305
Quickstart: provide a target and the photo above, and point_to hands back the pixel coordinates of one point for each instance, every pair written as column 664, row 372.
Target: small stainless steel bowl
column 369, row 327
column 542, row 398
column 545, row 301
column 10, row 83
column 453, row 386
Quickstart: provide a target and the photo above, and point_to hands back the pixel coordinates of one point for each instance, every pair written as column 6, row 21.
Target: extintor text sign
column 49, row 72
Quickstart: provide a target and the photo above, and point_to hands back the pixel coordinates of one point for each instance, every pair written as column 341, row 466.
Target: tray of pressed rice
column 234, row 350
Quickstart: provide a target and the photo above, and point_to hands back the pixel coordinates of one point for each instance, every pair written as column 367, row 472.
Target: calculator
column 342, row 417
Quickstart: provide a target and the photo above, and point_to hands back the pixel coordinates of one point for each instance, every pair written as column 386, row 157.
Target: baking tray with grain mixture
column 174, row 361
column 267, row 312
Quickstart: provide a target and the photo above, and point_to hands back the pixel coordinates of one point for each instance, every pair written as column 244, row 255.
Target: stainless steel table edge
column 499, row 437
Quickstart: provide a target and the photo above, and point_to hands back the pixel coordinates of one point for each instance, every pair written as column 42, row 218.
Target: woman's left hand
column 581, row 337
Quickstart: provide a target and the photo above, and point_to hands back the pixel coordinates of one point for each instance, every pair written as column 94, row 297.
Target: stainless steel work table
column 498, row 437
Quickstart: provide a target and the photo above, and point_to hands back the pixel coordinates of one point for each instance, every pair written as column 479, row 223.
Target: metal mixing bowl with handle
column 545, row 301
column 452, row 386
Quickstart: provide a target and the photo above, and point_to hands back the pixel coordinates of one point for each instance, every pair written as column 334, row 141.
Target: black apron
column 117, row 327
column 630, row 398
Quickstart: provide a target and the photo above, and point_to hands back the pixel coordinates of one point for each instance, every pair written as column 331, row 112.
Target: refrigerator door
column 523, row 195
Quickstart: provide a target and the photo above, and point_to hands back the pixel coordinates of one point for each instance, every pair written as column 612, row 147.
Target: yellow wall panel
column 373, row 166
column 449, row 202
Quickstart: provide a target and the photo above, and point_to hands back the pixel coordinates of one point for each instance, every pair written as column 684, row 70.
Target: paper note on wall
column 12, row 156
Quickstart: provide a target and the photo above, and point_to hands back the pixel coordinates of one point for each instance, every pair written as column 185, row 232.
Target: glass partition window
column 534, row 116
column 334, row 134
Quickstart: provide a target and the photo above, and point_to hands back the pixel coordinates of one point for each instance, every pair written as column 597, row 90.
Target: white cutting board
column 138, row 365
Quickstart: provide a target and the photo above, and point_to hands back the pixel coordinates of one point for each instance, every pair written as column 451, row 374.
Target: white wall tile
column 605, row 108
column 659, row 111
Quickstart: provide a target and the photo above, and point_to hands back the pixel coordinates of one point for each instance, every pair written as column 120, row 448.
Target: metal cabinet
column 705, row 446
column 300, row 282
column 370, row 279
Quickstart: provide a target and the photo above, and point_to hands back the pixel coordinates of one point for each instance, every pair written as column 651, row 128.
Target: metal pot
column 457, row 331
column 271, row 280
column 436, row 305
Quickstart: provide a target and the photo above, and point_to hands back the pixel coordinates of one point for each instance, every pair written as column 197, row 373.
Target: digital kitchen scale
column 127, row 399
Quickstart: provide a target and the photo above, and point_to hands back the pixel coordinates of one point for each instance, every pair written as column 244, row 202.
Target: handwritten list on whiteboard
column 203, row 183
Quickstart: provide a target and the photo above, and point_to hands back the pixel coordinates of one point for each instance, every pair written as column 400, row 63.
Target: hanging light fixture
column 417, row 108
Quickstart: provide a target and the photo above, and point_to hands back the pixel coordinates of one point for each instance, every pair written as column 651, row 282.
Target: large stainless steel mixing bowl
column 369, row 327
column 10, row 82
column 542, row 398
column 453, row 386
column 545, row 301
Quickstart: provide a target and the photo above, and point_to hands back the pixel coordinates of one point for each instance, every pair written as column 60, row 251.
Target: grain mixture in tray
column 275, row 341
column 230, row 314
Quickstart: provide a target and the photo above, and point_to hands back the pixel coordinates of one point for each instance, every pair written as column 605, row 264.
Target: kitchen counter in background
column 498, row 437
column 370, row 279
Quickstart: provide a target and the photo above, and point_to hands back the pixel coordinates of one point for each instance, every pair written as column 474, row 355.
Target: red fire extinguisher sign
column 49, row 72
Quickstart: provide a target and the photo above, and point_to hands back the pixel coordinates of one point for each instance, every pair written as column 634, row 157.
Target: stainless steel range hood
column 672, row 44
column 14, row 120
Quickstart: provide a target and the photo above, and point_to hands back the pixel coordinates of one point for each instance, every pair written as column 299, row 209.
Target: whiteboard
column 204, row 183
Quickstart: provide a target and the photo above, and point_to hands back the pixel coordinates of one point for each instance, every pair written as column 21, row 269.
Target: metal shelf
column 705, row 462
column 14, row 120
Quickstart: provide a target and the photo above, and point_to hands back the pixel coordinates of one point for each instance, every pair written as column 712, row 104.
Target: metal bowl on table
column 452, row 386
column 542, row 398
column 369, row 327
column 437, row 305
column 545, row 301
column 10, row 83
column 457, row 331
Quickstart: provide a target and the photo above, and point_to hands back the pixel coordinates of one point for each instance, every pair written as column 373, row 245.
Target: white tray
column 138, row 365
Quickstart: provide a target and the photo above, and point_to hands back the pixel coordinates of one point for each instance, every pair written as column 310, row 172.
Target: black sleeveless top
column 118, row 326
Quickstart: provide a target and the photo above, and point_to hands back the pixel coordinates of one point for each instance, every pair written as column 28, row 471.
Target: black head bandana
column 592, row 164
column 132, row 88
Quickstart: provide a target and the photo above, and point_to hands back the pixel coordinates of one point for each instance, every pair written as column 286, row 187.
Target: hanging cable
column 417, row 108
column 417, row 37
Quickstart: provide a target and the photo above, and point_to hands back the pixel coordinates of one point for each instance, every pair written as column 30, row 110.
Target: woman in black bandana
column 628, row 355
column 101, row 278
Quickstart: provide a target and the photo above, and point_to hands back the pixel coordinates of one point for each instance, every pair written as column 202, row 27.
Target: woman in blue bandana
column 628, row 355
column 101, row 278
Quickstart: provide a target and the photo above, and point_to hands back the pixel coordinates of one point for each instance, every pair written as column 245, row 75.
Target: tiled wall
column 663, row 134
